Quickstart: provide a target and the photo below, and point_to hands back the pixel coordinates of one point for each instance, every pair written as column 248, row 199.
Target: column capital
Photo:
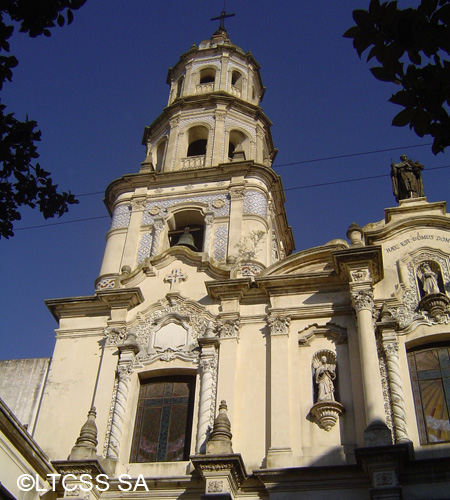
column 362, row 299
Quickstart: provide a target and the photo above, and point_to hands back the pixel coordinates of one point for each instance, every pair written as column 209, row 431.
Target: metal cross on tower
column 222, row 17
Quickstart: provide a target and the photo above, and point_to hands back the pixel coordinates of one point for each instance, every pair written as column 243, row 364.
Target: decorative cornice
column 121, row 298
column 217, row 463
column 372, row 257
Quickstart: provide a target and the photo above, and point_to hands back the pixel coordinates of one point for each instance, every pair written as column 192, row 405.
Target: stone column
column 132, row 239
column 158, row 227
column 387, row 327
column 208, row 388
column 128, row 351
column 172, row 147
column 219, row 131
column 376, row 432
column 237, row 193
column 209, row 220
column 280, row 452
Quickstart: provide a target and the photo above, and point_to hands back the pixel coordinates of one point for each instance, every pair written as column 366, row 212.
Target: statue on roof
column 407, row 179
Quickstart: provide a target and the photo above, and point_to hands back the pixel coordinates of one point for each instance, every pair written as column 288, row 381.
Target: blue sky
column 94, row 85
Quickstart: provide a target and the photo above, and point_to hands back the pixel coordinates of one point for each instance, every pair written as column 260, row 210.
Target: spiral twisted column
column 208, row 367
column 128, row 350
column 124, row 372
column 387, row 326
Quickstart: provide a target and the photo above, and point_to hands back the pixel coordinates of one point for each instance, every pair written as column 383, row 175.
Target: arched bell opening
column 196, row 147
column 186, row 228
column 160, row 155
column 236, row 83
column 238, row 146
column 207, row 79
column 180, row 83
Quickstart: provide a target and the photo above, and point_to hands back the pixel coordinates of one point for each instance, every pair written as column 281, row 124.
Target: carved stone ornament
column 279, row 325
column 228, row 328
column 170, row 329
column 237, row 193
column 327, row 413
column 436, row 305
column 362, row 299
column 219, row 203
column 360, row 275
column 155, row 210
column 215, row 486
column 115, row 336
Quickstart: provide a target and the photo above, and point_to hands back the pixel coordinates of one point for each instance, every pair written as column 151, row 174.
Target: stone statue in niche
column 434, row 300
column 407, row 179
column 326, row 409
column 324, row 376
column 428, row 278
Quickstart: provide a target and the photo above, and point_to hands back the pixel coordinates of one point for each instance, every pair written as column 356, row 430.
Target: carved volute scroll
column 326, row 409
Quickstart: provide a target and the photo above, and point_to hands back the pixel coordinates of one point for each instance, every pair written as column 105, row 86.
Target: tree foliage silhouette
column 412, row 46
column 22, row 180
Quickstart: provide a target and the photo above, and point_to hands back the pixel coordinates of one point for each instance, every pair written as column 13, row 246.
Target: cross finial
column 222, row 17
column 175, row 278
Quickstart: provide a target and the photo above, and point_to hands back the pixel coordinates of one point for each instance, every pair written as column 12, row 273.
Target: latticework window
column 163, row 420
column 430, row 379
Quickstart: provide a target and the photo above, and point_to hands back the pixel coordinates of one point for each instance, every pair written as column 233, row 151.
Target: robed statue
column 407, row 179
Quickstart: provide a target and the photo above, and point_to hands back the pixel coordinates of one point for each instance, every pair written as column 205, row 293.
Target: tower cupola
column 213, row 114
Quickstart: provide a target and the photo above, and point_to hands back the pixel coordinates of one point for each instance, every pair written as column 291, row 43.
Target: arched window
column 160, row 154
column 207, row 75
column 180, row 86
column 238, row 143
column 197, row 141
column 236, row 79
column 430, row 379
column 163, row 427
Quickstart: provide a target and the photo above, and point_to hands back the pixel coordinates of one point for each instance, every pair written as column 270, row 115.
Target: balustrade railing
column 193, row 162
column 204, row 88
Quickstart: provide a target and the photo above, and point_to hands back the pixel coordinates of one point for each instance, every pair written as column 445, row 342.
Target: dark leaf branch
column 22, row 181
column 411, row 47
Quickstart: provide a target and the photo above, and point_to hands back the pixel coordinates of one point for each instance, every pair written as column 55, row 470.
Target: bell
column 187, row 240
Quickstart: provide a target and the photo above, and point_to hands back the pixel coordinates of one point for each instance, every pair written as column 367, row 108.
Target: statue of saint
column 428, row 278
column 325, row 374
column 407, row 179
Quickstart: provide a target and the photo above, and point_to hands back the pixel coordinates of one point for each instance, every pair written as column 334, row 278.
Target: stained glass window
column 430, row 379
column 163, row 420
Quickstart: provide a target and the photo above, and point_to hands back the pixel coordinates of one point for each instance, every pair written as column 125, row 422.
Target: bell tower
column 207, row 168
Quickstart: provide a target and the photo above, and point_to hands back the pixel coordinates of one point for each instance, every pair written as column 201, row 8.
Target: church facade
column 212, row 361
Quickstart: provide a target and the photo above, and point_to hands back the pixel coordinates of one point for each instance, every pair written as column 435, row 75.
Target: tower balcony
column 236, row 91
column 193, row 162
column 204, row 88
